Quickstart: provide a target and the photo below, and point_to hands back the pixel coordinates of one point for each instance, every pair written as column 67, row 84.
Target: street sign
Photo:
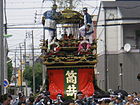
column 5, row 83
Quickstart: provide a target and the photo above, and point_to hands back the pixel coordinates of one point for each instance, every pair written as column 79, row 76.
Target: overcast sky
column 21, row 17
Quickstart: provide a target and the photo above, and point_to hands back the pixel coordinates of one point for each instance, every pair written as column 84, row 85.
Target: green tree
column 28, row 75
column 9, row 68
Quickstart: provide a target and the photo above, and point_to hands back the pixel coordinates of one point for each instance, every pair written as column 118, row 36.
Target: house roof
column 128, row 9
column 110, row 4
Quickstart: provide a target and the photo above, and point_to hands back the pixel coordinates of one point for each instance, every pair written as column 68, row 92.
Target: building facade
column 118, row 26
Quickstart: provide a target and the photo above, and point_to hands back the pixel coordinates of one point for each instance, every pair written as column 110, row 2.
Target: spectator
column 119, row 101
column 49, row 100
column 79, row 100
column 59, row 99
column 134, row 94
column 38, row 98
column 6, row 99
column 22, row 100
column 130, row 99
column 30, row 101
column 113, row 99
column 136, row 101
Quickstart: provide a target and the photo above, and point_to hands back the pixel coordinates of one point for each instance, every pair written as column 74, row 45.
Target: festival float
column 69, row 59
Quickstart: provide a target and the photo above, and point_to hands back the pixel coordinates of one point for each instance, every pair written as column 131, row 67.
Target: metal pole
column 106, row 71
column 1, row 47
column 33, row 70
column 121, row 75
column 20, row 66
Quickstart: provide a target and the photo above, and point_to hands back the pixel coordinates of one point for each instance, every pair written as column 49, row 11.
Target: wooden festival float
column 69, row 60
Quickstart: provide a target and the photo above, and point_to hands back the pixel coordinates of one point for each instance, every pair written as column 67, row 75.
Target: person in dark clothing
column 49, row 100
column 6, row 99
column 22, row 100
column 87, row 16
column 79, row 100
column 59, row 99
column 87, row 29
column 30, row 101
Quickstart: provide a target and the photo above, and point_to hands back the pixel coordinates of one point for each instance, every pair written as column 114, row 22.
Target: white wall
column 112, row 38
column 113, row 32
column 100, row 33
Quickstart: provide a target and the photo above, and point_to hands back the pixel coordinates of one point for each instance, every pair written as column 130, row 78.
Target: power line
column 90, row 6
column 21, row 2
column 27, row 52
column 26, row 49
column 24, row 27
column 23, row 24
column 44, row 8
column 27, row 8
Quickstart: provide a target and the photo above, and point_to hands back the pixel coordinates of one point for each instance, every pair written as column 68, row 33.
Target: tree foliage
column 9, row 69
column 28, row 75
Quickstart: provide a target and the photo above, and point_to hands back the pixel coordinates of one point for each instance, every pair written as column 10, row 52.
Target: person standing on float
column 49, row 20
column 87, row 22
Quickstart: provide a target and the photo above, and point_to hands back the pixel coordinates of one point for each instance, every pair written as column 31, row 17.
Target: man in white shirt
column 87, row 31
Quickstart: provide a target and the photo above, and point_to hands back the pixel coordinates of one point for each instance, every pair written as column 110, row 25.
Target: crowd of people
column 44, row 99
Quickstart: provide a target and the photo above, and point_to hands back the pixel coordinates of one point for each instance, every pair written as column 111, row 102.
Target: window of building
column 138, row 39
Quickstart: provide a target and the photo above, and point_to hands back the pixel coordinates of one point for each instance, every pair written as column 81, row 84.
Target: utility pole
column 1, row 47
column 20, row 66
column 105, row 59
column 5, row 50
column 15, row 71
column 25, row 51
column 33, row 70
column 25, row 58
column 43, row 66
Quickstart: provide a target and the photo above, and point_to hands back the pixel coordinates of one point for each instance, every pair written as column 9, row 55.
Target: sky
column 23, row 16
